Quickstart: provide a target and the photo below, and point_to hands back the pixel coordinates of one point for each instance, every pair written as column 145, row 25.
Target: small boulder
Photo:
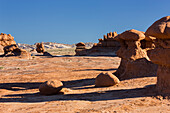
column 106, row 79
column 50, row 87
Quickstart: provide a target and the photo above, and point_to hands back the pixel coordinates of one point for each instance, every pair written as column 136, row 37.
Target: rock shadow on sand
column 20, row 86
column 147, row 91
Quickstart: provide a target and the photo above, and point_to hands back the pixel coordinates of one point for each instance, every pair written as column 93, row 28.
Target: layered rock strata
column 106, row 46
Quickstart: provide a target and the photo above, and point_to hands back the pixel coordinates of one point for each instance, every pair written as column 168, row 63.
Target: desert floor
column 20, row 79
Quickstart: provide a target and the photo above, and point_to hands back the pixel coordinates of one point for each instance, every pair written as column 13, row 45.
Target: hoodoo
column 161, row 53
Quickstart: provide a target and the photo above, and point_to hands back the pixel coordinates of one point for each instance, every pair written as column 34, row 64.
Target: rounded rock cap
column 131, row 35
column 160, row 29
column 80, row 44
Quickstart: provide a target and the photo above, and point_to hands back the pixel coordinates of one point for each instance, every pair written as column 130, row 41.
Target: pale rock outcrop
column 106, row 79
column 133, row 53
column 106, row 46
column 40, row 48
column 50, row 87
column 161, row 53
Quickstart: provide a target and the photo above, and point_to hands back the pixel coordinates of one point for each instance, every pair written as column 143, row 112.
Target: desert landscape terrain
column 20, row 80
column 67, row 79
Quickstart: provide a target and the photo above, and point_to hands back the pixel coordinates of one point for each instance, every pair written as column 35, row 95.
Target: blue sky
column 72, row 21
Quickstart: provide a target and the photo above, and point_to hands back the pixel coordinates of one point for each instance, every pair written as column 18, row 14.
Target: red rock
column 160, row 29
column 106, row 79
column 134, row 59
column 40, row 48
column 161, row 53
column 50, row 87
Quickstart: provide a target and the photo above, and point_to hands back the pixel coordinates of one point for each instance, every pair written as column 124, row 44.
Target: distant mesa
column 106, row 46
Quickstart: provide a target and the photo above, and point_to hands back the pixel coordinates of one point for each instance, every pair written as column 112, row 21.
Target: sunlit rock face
column 161, row 54
column 6, row 40
column 133, row 54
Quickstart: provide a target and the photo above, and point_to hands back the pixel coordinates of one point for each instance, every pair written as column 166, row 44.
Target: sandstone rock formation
column 13, row 50
column 106, row 79
column 40, row 48
column 1, row 49
column 133, row 54
column 106, row 46
column 161, row 54
column 50, row 87
column 5, row 40
column 80, row 49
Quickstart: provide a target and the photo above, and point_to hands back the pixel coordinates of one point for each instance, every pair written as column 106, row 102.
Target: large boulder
column 40, row 48
column 106, row 79
column 133, row 53
column 50, row 87
column 161, row 54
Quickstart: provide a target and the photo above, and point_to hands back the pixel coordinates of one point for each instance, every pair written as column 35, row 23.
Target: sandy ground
column 20, row 79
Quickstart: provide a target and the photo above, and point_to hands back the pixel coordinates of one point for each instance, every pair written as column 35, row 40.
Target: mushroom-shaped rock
column 133, row 56
column 106, row 79
column 161, row 54
column 80, row 49
column 132, row 35
column 50, row 87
